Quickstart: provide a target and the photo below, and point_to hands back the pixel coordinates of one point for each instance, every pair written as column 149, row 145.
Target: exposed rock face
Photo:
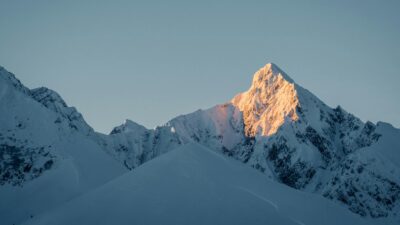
column 20, row 163
column 271, row 99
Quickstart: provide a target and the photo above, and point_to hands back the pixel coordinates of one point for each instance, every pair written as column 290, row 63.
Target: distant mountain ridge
column 276, row 127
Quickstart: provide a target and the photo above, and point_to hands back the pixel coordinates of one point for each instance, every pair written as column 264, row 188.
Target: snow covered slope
column 46, row 155
column 194, row 185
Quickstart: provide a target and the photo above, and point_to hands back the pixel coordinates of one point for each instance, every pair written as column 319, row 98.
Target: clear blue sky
column 151, row 61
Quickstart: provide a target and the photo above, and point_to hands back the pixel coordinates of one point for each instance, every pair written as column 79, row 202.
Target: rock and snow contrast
column 275, row 154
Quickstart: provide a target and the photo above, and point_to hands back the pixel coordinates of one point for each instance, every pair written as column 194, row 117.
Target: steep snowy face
column 220, row 126
column 271, row 99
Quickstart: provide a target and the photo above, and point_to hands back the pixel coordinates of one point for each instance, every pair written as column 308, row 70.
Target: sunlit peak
column 271, row 99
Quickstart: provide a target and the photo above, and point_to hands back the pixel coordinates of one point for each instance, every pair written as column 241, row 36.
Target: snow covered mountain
column 46, row 157
column 48, row 151
column 287, row 133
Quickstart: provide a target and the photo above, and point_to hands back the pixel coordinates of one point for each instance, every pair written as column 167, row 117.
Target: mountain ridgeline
column 276, row 127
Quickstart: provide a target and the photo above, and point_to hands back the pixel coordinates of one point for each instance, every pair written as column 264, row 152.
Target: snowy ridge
column 9, row 78
column 133, row 144
column 277, row 127
column 53, row 101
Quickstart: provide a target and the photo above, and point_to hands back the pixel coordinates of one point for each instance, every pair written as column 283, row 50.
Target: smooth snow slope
column 194, row 185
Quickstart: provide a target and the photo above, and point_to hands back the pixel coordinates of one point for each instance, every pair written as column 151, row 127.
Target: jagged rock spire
column 271, row 99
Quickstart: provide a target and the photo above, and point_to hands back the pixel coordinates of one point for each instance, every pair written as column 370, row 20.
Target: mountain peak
column 48, row 98
column 10, row 79
column 271, row 99
column 128, row 126
column 269, row 71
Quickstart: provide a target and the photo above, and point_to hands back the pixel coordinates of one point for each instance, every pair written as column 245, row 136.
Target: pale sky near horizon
column 150, row 61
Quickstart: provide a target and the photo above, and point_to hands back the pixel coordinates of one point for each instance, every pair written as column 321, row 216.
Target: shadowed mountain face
column 276, row 127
